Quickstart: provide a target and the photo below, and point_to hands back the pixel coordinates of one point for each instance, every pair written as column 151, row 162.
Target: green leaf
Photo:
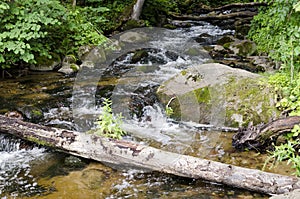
column 296, row 7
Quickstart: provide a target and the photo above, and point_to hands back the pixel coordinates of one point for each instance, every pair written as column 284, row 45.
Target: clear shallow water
column 34, row 172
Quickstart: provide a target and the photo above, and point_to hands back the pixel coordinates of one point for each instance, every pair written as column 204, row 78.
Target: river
column 73, row 103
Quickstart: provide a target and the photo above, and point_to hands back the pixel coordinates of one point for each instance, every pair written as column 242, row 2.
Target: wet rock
column 243, row 48
column 145, row 96
column 14, row 114
column 170, row 26
column 46, row 64
column 263, row 62
column 84, row 50
column 219, row 95
column 220, row 53
column 295, row 194
column 31, row 113
column 180, row 24
column 242, row 27
column 130, row 24
column 138, row 56
column 226, row 39
column 204, row 39
column 245, row 65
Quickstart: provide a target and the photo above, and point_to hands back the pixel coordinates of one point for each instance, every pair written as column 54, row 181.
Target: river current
column 35, row 172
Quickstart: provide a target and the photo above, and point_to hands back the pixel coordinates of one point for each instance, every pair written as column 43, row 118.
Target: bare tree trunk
column 145, row 157
column 74, row 4
column 137, row 9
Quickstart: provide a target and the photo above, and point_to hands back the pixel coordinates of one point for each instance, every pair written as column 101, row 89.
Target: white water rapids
column 15, row 161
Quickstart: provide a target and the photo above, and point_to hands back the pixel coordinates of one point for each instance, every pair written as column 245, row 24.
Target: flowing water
column 35, row 172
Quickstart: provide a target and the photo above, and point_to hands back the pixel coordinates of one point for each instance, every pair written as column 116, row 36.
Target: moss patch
column 246, row 100
column 250, row 98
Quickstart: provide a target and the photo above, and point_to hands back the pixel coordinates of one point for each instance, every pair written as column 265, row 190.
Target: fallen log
column 132, row 154
column 214, row 17
column 239, row 5
column 261, row 136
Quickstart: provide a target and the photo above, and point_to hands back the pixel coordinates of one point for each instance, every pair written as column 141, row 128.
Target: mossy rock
column 221, row 96
column 32, row 113
column 243, row 48
column 170, row 26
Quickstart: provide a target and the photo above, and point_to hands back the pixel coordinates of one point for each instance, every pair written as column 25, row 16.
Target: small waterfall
column 15, row 168
column 137, row 9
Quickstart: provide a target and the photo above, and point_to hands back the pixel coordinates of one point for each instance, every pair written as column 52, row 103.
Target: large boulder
column 220, row 95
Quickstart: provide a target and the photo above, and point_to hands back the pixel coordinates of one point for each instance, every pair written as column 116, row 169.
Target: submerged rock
column 220, row 95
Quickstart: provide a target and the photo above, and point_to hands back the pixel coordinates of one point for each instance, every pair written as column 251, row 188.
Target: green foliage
column 108, row 125
column 81, row 28
column 288, row 151
column 37, row 28
column 276, row 30
column 169, row 111
column 155, row 9
column 119, row 10
column 23, row 26
column 288, row 92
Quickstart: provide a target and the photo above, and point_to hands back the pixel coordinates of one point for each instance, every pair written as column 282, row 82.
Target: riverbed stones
column 218, row 94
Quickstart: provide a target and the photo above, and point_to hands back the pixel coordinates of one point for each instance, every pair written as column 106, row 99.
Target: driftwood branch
column 239, row 5
column 214, row 17
column 259, row 137
column 145, row 157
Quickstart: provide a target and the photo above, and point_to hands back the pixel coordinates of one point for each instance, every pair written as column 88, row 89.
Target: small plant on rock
column 107, row 124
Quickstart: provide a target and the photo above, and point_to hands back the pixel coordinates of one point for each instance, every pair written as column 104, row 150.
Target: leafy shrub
column 288, row 151
column 276, row 31
column 108, row 125
column 80, row 28
column 288, row 92
column 23, row 26
column 36, row 28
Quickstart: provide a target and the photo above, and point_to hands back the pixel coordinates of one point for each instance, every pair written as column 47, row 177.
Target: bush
column 23, row 27
column 276, row 31
column 37, row 28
